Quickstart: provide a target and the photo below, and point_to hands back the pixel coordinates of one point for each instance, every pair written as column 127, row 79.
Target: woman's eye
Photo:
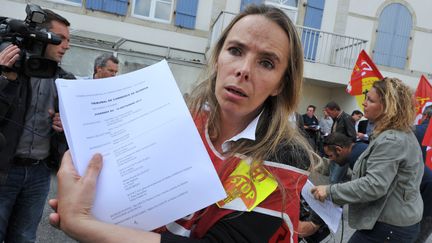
column 234, row 51
column 267, row 64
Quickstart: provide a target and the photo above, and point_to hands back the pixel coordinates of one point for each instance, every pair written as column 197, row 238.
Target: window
column 160, row 10
column 244, row 3
column 393, row 36
column 288, row 6
column 283, row 3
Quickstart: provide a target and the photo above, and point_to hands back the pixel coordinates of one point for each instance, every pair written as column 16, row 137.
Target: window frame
column 152, row 11
column 283, row 7
column 389, row 61
column 68, row 2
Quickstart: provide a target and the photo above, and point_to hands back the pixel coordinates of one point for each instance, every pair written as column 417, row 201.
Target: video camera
column 32, row 40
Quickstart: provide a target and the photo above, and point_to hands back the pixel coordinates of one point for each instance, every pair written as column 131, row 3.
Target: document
column 329, row 212
column 155, row 166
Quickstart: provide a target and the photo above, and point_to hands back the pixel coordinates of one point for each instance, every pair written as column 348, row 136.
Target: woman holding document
column 241, row 112
column 384, row 195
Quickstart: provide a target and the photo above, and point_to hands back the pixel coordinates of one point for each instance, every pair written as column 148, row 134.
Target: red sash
column 291, row 178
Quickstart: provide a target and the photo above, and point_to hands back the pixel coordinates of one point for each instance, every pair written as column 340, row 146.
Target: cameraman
column 31, row 125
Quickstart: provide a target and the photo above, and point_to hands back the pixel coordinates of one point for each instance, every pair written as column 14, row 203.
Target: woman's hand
column 75, row 195
column 319, row 192
column 75, row 201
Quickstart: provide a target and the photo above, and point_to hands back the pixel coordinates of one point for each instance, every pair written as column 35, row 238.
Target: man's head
column 332, row 109
column 105, row 66
column 59, row 26
column 337, row 147
column 310, row 111
column 356, row 115
column 427, row 113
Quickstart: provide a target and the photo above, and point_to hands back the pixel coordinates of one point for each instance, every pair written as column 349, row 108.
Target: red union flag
column 364, row 74
column 423, row 96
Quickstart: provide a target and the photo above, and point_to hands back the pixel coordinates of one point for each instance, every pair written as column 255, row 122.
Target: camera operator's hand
column 8, row 57
column 56, row 121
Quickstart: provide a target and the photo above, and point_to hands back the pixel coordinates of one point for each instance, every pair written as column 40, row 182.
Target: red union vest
column 292, row 179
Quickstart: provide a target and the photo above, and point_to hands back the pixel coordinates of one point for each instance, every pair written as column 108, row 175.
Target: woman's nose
column 244, row 69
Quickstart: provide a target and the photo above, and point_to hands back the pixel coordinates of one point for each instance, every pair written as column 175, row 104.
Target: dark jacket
column 344, row 124
column 420, row 131
column 15, row 97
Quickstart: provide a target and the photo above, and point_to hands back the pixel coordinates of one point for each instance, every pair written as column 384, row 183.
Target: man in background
column 342, row 123
column 342, row 150
column 311, row 125
column 356, row 115
column 31, row 125
column 105, row 66
column 326, row 124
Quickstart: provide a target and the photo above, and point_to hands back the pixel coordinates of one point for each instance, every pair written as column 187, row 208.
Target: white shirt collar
column 247, row 133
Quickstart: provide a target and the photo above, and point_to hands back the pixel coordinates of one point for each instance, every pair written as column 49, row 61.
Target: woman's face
column 250, row 66
column 373, row 107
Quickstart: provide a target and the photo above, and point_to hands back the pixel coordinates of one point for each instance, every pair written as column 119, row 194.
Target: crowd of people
column 253, row 85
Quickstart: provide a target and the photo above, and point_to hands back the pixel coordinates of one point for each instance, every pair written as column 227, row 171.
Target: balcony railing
column 319, row 46
column 330, row 48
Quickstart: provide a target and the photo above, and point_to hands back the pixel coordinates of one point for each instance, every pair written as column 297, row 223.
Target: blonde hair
column 398, row 106
column 274, row 129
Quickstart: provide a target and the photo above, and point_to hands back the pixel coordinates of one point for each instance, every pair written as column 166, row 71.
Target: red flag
column 364, row 74
column 423, row 96
column 427, row 141
column 428, row 161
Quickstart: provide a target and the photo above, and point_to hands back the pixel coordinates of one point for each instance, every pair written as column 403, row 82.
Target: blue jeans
column 386, row 233
column 23, row 192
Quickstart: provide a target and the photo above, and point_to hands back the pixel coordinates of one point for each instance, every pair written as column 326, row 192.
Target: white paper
column 327, row 210
column 155, row 166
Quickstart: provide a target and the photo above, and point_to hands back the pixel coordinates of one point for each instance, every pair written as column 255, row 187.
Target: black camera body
column 32, row 41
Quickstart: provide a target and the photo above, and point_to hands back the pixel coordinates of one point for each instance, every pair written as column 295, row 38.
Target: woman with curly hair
column 384, row 198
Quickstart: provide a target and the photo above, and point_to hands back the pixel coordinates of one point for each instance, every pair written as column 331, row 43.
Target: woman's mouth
column 236, row 91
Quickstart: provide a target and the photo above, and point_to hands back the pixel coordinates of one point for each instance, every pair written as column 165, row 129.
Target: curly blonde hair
column 398, row 106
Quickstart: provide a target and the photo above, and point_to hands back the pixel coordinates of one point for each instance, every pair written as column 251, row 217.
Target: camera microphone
column 21, row 28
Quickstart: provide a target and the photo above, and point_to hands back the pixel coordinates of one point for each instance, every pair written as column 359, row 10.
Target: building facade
column 395, row 33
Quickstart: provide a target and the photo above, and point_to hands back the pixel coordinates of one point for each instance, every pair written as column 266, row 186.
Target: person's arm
column 382, row 168
column 56, row 121
column 9, row 85
column 307, row 228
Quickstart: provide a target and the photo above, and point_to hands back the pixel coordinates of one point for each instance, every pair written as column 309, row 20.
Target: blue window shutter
column 186, row 11
column 94, row 4
column 119, row 7
column 244, row 3
column 393, row 35
column 312, row 19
